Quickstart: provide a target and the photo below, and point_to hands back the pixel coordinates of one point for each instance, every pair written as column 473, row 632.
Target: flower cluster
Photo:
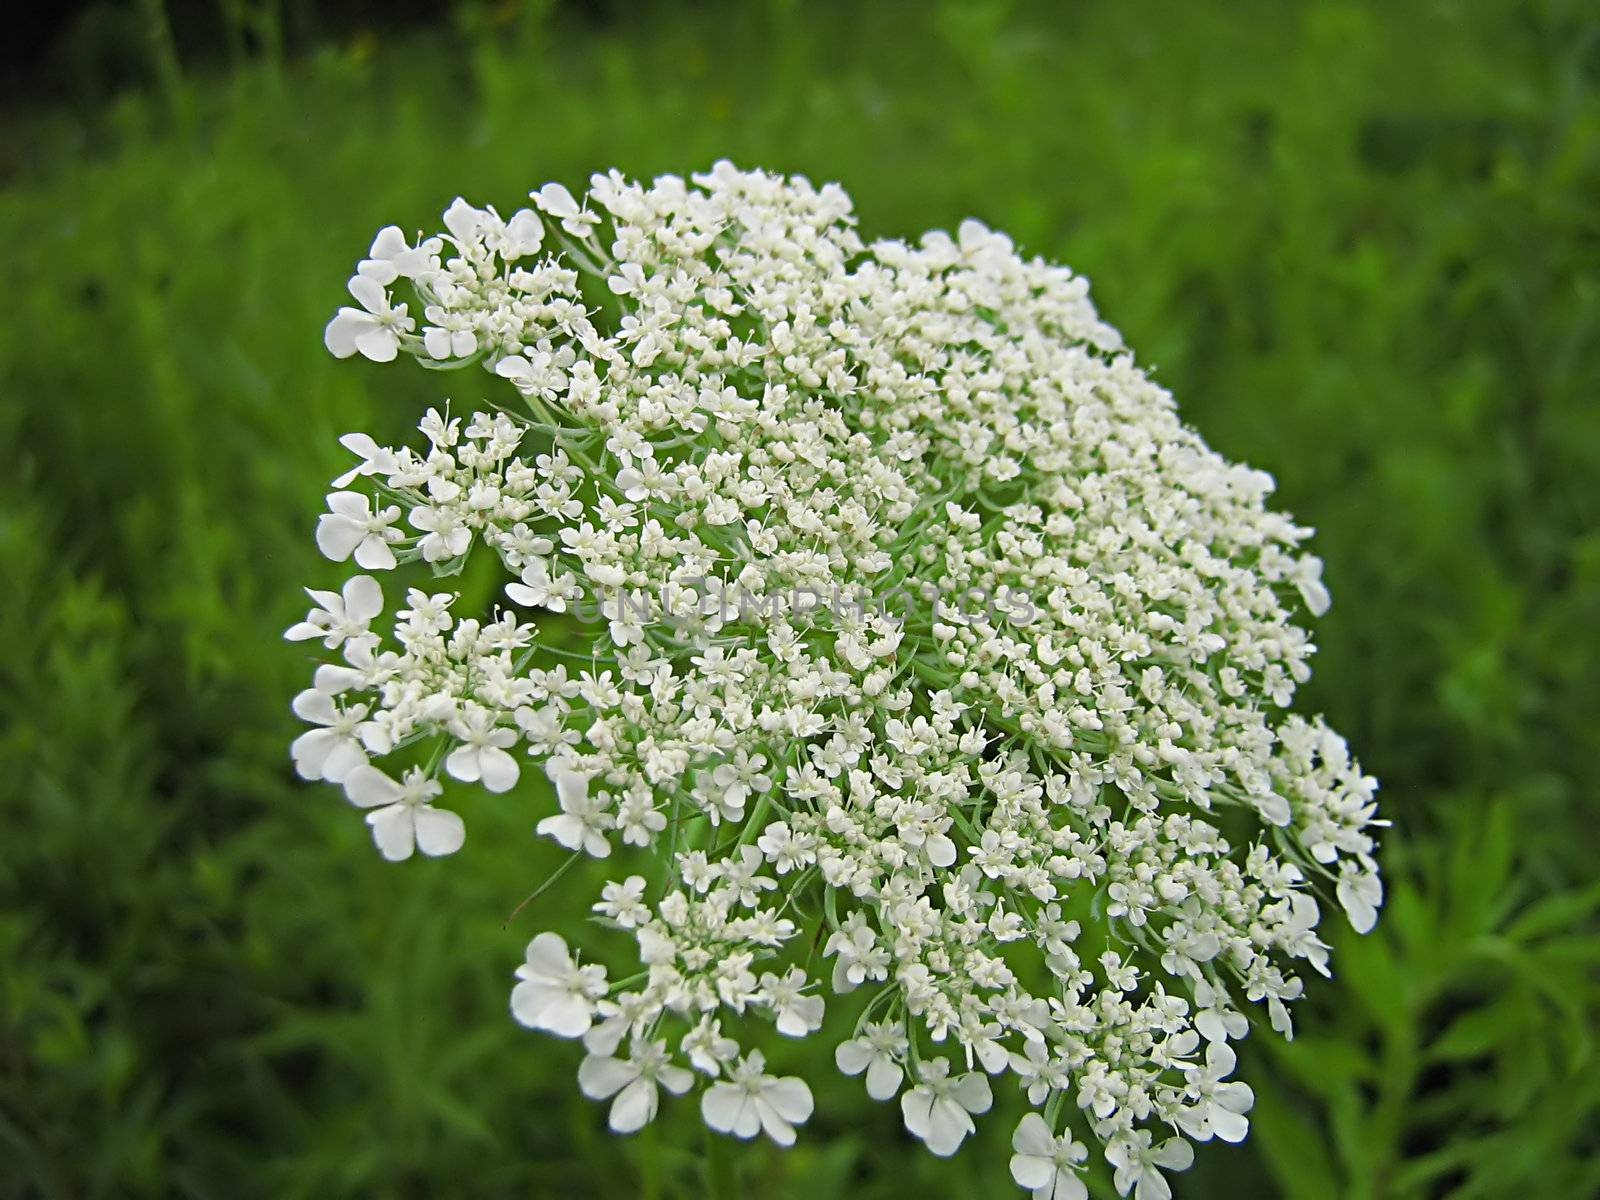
column 1070, row 850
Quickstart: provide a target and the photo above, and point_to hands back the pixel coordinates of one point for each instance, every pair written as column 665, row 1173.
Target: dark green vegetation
column 1360, row 242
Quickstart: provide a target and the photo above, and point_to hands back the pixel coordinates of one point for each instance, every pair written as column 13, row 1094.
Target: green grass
column 1361, row 244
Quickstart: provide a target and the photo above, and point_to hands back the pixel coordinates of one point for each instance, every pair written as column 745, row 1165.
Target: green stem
column 722, row 1181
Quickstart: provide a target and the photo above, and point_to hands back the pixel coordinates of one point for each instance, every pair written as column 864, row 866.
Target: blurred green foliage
column 1361, row 242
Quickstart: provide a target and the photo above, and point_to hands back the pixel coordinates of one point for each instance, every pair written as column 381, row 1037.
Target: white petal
column 378, row 344
column 394, row 831
column 676, row 1080
column 436, row 342
column 389, row 242
column 345, row 757
column 368, row 787
column 883, row 1078
column 363, row 598
column 374, row 554
column 555, row 200
column 530, row 998
column 790, row 1098
column 1229, row 1126
column 310, row 750
column 461, row 219
column 566, row 829
column 572, row 789
column 1363, row 916
column 566, row 1016
column 524, row 231
column 362, row 445
column 853, row 1057
column 338, row 536
column 1235, row 1097
column 773, row 1122
column 547, row 958
column 1031, row 1171
column 498, row 769
column 315, row 706
column 339, row 335
column 972, row 1092
column 948, row 1126
column 332, row 679
column 635, row 1107
column 1175, row 1154
column 1315, row 593
column 916, row 1106
column 350, row 504
column 722, row 1105
column 464, row 763
column 1209, row 1023
column 439, row 831
column 369, row 293
column 1033, row 1137
column 331, row 602
column 600, row 1076
column 378, row 270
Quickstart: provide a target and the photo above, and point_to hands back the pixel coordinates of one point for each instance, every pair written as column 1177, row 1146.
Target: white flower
column 581, row 823
column 442, row 342
column 1308, row 578
column 906, row 569
column 403, row 817
column 1040, row 1071
column 538, row 589
column 341, row 616
column 630, row 482
column 879, row 1052
column 465, row 223
column 482, row 753
column 1360, row 894
column 797, row 1014
column 1136, row 1162
column 334, row 750
column 375, row 459
column 624, row 902
column 373, row 329
column 1045, row 1164
column 751, row 1102
column 633, row 1082
column 1215, row 1019
column 523, row 235
column 1219, row 1107
column 861, row 957
column 392, row 256
column 448, row 536
column 628, row 279
column 351, row 527
column 707, row 1048
column 556, row 994
column 554, row 199
column 538, row 374
column 939, row 1110
column 739, row 778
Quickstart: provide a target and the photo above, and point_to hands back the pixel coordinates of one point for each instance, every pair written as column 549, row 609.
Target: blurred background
column 1360, row 241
